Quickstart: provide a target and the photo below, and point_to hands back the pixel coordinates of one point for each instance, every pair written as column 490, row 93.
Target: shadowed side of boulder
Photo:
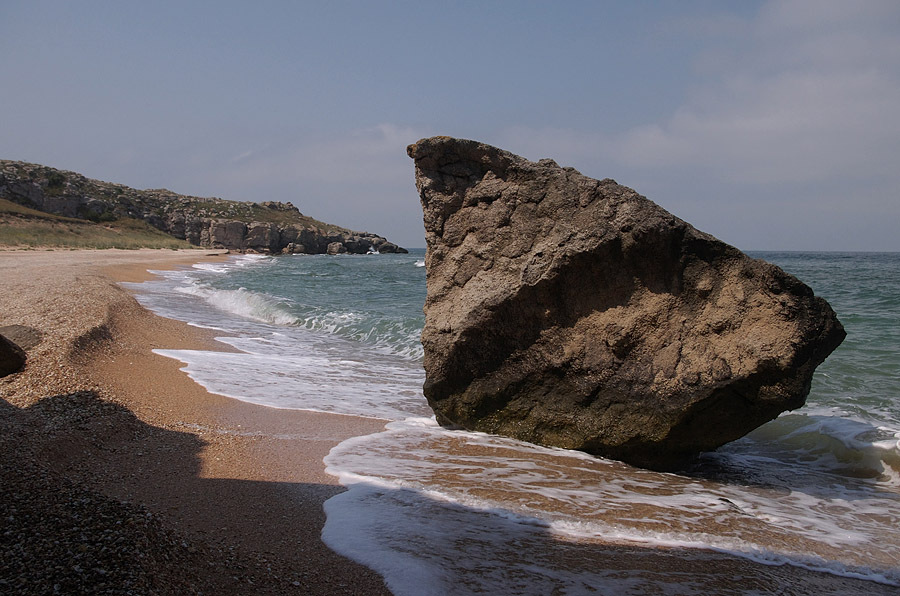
column 574, row 312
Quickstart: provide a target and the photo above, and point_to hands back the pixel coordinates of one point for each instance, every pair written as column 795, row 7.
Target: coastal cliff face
column 268, row 227
column 574, row 312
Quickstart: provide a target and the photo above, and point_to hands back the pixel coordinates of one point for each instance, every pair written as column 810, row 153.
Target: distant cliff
column 268, row 227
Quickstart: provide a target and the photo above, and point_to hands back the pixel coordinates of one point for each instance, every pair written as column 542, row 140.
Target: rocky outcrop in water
column 574, row 312
column 269, row 227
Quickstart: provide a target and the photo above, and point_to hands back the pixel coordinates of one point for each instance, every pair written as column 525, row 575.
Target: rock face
column 269, row 227
column 574, row 312
column 12, row 357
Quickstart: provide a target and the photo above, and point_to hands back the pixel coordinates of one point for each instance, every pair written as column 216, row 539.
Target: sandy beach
column 125, row 473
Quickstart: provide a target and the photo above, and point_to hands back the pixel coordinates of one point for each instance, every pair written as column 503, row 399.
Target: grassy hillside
column 22, row 227
column 94, row 213
column 114, row 197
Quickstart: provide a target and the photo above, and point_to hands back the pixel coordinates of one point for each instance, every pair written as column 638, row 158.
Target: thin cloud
column 361, row 179
column 795, row 112
column 374, row 155
column 789, row 127
column 802, row 102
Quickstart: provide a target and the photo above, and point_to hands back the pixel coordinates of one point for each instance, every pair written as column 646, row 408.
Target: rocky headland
column 267, row 227
column 574, row 312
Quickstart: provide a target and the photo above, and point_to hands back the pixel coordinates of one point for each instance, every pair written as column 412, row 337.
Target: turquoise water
column 818, row 488
column 375, row 301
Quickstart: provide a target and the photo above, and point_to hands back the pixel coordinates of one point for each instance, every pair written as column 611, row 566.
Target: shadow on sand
column 94, row 501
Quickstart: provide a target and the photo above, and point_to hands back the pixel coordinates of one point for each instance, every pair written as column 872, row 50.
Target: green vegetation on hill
column 111, row 197
column 24, row 227
column 269, row 227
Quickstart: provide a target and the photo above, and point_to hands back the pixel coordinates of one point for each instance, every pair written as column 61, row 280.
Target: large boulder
column 574, row 312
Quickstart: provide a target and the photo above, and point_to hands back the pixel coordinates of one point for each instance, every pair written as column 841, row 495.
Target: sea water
column 451, row 512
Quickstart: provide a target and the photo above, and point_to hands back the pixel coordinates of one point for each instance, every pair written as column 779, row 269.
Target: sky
column 771, row 125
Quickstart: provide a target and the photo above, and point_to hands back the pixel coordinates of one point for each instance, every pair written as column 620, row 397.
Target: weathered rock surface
column 12, row 357
column 574, row 312
column 269, row 227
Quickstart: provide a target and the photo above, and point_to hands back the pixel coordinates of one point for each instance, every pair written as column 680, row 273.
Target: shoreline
column 242, row 484
column 233, row 491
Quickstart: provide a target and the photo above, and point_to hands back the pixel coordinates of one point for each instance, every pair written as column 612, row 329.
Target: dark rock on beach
column 12, row 357
column 574, row 312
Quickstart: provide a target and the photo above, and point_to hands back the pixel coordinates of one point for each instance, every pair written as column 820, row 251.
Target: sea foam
column 422, row 475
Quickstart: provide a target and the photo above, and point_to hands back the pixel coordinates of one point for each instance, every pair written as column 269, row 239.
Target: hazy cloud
column 813, row 95
column 806, row 99
column 798, row 107
column 361, row 179
column 375, row 155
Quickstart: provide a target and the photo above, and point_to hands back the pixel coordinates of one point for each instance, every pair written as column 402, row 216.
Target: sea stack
column 573, row 312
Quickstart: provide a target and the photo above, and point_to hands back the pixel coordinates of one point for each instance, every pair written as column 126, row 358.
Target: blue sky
column 772, row 125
